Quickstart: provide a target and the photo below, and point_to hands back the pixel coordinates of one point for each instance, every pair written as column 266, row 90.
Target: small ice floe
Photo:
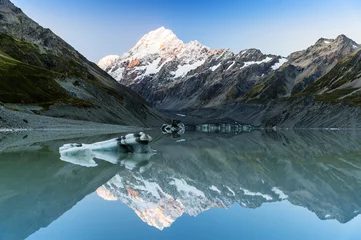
column 328, row 216
column 181, row 115
column 177, row 128
column 181, row 140
column 113, row 150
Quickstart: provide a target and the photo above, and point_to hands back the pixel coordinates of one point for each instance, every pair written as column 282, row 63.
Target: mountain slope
column 303, row 68
column 72, row 87
column 341, row 84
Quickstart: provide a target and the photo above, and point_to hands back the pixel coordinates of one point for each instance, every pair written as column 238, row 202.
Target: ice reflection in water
column 320, row 171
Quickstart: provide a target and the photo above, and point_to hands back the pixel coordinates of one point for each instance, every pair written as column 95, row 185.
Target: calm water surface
column 289, row 185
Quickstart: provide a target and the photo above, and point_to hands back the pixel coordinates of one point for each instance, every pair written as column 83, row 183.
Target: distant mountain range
column 173, row 75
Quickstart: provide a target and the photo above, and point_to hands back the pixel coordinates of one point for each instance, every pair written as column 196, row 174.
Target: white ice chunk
column 112, row 150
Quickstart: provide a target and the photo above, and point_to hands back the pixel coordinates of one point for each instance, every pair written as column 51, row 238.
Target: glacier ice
column 115, row 151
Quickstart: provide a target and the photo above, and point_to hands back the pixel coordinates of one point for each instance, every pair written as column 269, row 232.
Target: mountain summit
column 160, row 41
column 161, row 62
column 158, row 51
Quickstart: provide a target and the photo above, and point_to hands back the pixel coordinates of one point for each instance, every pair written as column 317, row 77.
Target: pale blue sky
column 99, row 28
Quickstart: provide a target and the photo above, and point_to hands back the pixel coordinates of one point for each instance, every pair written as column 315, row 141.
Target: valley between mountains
column 44, row 79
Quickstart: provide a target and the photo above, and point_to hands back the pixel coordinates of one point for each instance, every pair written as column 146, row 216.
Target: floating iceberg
column 177, row 128
column 115, row 151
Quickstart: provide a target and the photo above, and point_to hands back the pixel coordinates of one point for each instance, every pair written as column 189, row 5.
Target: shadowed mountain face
column 40, row 69
column 320, row 171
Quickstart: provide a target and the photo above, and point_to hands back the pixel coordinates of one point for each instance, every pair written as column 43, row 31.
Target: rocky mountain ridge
column 224, row 77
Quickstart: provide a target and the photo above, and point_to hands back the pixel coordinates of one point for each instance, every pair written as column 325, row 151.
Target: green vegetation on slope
column 272, row 86
column 31, row 54
column 344, row 72
column 28, row 73
column 24, row 80
column 337, row 86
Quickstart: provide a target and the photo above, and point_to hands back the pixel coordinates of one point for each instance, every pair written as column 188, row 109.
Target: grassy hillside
column 23, row 79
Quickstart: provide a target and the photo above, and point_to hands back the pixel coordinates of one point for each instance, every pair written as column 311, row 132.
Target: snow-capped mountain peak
column 159, row 49
column 160, row 41
column 106, row 61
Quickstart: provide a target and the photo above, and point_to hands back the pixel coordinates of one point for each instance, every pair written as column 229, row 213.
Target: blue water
column 292, row 185
column 95, row 219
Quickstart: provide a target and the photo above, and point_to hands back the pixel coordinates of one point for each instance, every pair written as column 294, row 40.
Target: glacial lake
column 256, row 185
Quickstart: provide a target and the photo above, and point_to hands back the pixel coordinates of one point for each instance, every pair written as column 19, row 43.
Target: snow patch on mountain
column 215, row 189
column 215, row 67
column 153, row 67
column 230, row 66
column 247, row 64
column 183, row 70
column 108, row 60
column 183, row 186
column 279, row 192
column 250, row 193
column 118, row 74
column 229, row 189
column 280, row 62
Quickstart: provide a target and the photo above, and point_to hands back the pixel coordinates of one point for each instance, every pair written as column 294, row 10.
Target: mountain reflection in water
column 320, row 171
